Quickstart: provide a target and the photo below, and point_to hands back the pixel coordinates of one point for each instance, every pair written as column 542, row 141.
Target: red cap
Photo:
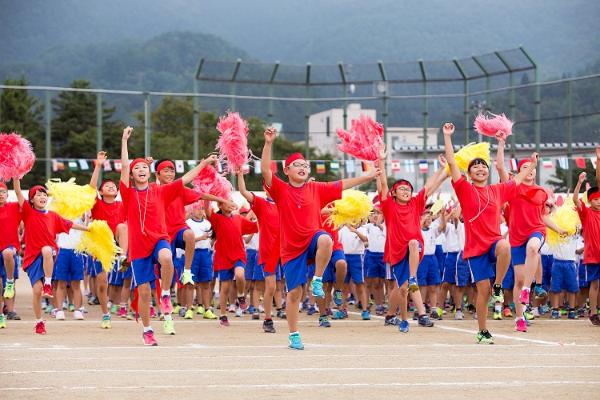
column 3, row 186
column 523, row 161
column 165, row 164
column 136, row 162
column 35, row 189
column 294, row 157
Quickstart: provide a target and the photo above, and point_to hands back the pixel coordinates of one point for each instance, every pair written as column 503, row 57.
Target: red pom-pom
column 211, row 182
column 499, row 126
column 16, row 156
column 233, row 141
column 364, row 139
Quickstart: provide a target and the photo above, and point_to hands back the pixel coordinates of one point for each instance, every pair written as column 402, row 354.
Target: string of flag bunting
column 320, row 166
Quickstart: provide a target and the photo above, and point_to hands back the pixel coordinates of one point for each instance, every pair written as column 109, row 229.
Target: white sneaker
column 238, row 312
column 535, row 312
column 231, row 308
column 458, row 315
column 60, row 315
column 78, row 315
column 261, row 309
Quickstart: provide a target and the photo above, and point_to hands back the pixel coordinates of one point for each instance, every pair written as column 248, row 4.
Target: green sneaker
column 9, row 290
column 2, row 322
column 189, row 314
column 529, row 316
column 176, row 309
column 485, row 337
column 497, row 315
column 105, row 324
column 200, row 310
column 71, row 307
column 208, row 314
column 186, row 277
column 169, row 327
column 113, row 309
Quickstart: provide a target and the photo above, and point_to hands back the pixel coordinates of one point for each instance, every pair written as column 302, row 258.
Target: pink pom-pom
column 211, row 182
column 233, row 141
column 499, row 126
column 199, row 205
column 364, row 139
column 16, row 156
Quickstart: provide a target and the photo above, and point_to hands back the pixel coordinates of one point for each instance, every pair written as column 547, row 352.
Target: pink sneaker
column 149, row 339
column 521, row 325
column 524, row 297
column 122, row 312
column 152, row 312
column 165, row 304
column 40, row 328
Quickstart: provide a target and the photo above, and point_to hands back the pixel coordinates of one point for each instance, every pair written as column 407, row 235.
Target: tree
column 560, row 179
column 22, row 113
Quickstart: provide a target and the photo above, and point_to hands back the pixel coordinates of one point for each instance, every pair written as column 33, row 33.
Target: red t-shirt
column 112, row 213
column 175, row 212
column 481, row 208
column 300, row 212
column 590, row 222
column 229, row 246
column 10, row 218
column 403, row 223
column 41, row 228
column 525, row 214
column 334, row 233
column 269, row 236
column 145, row 212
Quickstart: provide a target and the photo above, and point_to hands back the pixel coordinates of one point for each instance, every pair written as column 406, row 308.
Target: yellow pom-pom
column 565, row 218
column 437, row 206
column 99, row 243
column 470, row 152
column 352, row 209
column 70, row 200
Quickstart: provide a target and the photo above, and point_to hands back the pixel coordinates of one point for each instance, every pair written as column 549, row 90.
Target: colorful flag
column 514, row 164
column 118, row 165
column 350, row 167
column 423, row 166
column 83, row 164
column 57, row 165
column 366, row 166
column 321, row 167
column 179, row 168
column 563, row 163
column 72, row 165
column 334, row 165
column 257, row 167
column 547, row 163
column 192, row 163
column 396, row 166
column 594, row 161
column 580, row 162
column 408, row 166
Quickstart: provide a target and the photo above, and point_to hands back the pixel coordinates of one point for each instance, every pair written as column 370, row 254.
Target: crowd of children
column 483, row 250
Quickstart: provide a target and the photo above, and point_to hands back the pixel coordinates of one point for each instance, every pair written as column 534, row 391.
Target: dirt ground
column 352, row 359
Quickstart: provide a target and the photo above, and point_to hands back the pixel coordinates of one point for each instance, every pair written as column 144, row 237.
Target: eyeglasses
column 300, row 165
column 403, row 189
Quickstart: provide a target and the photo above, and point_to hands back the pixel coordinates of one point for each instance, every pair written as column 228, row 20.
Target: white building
column 322, row 129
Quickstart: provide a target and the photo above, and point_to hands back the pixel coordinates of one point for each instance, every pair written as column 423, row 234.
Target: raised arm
column 581, row 179
column 527, row 170
column 191, row 174
column 435, row 181
column 125, row 156
column 207, row 209
column 359, row 180
column 100, row 158
column 448, row 130
column 382, row 186
column 18, row 192
column 597, row 167
column 249, row 196
column 265, row 162
column 502, row 173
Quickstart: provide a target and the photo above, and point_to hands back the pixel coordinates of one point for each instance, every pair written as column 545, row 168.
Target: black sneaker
column 13, row 315
column 268, row 326
column 281, row 314
column 255, row 315
column 595, row 319
column 391, row 321
column 425, row 321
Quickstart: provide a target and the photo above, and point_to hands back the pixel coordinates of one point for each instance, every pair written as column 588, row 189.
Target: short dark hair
column 477, row 161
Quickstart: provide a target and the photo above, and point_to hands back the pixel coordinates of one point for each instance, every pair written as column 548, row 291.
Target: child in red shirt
column 144, row 206
column 10, row 219
column 299, row 203
column 484, row 245
column 230, row 255
column 590, row 222
column 41, row 228
column 404, row 241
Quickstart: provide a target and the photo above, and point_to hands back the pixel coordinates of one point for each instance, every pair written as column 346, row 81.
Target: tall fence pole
column 147, row 125
column 48, row 133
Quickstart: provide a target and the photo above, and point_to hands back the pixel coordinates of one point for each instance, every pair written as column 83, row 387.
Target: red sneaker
column 224, row 321
column 165, row 304
column 521, row 325
column 47, row 291
column 149, row 339
column 40, row 328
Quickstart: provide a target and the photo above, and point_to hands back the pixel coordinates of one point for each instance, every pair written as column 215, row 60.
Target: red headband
column 35, row 189
column 595, row 195
column 3, row 186
column 165, row 164
column 294, row 157
column 520, row 164
column 402, row 182
column 136, row 162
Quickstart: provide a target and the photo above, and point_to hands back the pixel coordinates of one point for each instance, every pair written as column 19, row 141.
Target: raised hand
column 448, row 129
column 127, row 132
column 582, row 177
column 270, row 135
column 101, row 157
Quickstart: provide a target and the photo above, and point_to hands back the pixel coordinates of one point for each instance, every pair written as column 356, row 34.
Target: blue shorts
column 94, row 268
column 251, row 263
column 592, row 272
column 277, row 272
column 355, row 268
column 456, row 271
column 441, row 257
column 564, row 277
column 259, row 273
column 428, row 273
column 310, row 272
column 329, row 273
column 483, row 267
column 583, row 282
column 116, row 277
column 401, row 271
column 508, row 282
column 518, row 253
column 178, row 266
column 142, row 269
column 35, row 271
column 178, row 242
column 229, row 274
column 68, row 266
column 374, row 265
column 547, row 260
column 202, row 266
column 295, row 271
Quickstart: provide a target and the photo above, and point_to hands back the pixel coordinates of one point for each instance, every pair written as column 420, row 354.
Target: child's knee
column 325, row 242
column 502, row 247
column 188, row 236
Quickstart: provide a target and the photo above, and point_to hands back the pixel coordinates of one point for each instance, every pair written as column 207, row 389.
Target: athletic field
column 352, row 359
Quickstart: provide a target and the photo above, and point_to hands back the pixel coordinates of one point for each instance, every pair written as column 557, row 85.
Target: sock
column 9, row 280
column 147, row 329
column 123, row 305
column 240, row 295
column 165, row 293
column 37, row 321
column 526, row 288
column 47, row 281
column 497, row 307
column 317, row 278
column 106, row 315
column 268, row 319
column 294, row 333
column 168, row 317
